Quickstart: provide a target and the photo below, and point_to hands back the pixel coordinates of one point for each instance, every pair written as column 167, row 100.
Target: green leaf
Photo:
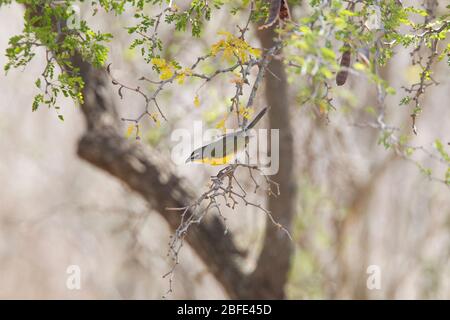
column 440, row 148
column 328, row 54
column 38, row 99
column 390, row 90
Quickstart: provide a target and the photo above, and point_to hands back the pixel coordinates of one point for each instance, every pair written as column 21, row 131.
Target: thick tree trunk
column 270, row 276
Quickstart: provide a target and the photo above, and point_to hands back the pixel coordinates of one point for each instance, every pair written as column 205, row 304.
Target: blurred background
column 357, row 204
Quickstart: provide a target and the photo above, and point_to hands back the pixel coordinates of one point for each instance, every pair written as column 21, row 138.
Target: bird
column 223, row 150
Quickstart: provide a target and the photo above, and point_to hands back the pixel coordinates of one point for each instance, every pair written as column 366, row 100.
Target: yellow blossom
column 196, row 101
column 246, row 112
column 166, row 70
column 221, row 124
column 234, row 47
column 130, row 130
column 159, row 62
column 182, row 75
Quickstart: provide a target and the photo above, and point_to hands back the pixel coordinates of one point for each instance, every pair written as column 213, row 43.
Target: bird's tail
column 257, row 118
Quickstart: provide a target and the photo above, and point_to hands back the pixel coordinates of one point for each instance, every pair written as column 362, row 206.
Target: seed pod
column 284, row 14
column 342, row 75
column 278, row 10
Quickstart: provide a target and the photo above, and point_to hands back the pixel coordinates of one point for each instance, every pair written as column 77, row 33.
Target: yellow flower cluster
column 246, row 112
column 221, row 124
column 166, row 70
column 196, row 101
column 181, row 75
column 234, row 47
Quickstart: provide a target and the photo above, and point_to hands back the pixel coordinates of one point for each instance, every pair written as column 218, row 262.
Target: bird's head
column 195, row 155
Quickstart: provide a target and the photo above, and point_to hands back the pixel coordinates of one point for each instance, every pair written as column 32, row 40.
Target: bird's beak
column 188, row 160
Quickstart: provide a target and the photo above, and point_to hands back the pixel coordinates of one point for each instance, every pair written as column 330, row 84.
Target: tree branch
column 146, row 173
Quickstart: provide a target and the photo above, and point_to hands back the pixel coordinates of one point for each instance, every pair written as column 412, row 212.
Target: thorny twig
column 417, row 90
column 244, row 70
column 138, row 90
column 153, row 38
column 400, row 148
column 221, row 188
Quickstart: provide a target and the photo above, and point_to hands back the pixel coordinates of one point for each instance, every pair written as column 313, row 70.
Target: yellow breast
column 216, row 161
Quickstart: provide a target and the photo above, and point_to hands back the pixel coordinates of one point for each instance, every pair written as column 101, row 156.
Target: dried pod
column 284, row 14
column 342, row 75
column 279, row 10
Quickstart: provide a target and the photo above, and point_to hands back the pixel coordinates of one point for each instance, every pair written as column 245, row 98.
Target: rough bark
column 270, row 276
